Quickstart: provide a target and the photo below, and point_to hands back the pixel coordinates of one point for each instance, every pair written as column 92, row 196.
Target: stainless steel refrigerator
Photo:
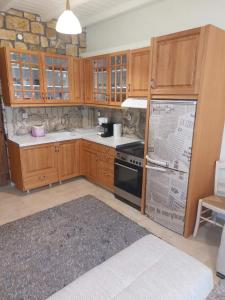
column 168, row 161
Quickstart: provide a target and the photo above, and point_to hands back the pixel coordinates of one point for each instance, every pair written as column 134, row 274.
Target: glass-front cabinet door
column 57, row 75
column 27, row 84
column 100, row 80
column 118, row 77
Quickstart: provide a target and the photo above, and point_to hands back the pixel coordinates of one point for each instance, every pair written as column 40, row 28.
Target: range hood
column 135, row 103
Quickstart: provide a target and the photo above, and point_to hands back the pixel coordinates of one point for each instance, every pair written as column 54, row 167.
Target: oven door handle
column 156, row 168
column 126, row 167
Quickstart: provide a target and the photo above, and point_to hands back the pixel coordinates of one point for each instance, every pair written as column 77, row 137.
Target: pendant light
column 67, row 22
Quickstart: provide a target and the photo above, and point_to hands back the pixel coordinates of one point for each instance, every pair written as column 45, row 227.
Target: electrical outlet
column 25, row 115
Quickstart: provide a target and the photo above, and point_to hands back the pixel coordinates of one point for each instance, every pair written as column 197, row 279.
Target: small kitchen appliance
column 106, row 130
column 38, row 130
column 129, row 172
column 117, row 130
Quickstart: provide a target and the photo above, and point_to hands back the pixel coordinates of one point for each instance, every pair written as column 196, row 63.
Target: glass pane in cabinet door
column 66, row 96
column 36, row 77
column 113, row 78
column 14, row 56
column 124, row 59
column 118, row 80
column 27, row 95
column 124, row 79
column 58, row 79
column 118, row 60
column 25, row 57
column 18, row 95
column 16, row 74
column 113, row 60
column 49, row 78
column 58, row 93
column 34, row 59
column 65, row 79
column 26, row 75
column 37, row 95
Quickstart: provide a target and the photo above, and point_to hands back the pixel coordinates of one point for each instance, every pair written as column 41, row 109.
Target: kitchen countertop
column 87, row 134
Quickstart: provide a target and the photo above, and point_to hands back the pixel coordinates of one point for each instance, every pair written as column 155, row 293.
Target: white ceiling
column 88, row 11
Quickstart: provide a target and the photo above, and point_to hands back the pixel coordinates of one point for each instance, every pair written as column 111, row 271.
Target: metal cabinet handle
column 134, row 170
column 157, row 162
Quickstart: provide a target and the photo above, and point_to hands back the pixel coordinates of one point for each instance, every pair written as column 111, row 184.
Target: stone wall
column 25, row 30
column 18, row 121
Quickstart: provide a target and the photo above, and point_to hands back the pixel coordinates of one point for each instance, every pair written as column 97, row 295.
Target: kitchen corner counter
column 87, row 134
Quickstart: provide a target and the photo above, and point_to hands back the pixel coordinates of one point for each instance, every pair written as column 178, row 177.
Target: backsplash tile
column 18, row 121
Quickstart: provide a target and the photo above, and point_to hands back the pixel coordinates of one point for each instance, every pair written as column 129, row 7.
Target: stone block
column 1, row 21
column 17, row 23
column 66, row 38
column 51, row 50
column 30, row 16
column 31, row 38
column 37, row 27
column 35, row 48
column 52, row 24
column 7, row 34
column 71, row 50
column 20, row 45
column 51, row 33
column 82, row 39
column 44, row 42
column 15, row 12
column 75, row 39
column 8, row 44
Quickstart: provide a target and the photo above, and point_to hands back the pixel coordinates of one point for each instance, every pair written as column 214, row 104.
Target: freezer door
column 166, row 193
column 171, row 133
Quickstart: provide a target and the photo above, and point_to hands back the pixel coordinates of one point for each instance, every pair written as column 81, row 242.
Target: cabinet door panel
column 175, row 63
column 69, row 160
column 88, row 80
column 58, row 78
column 139, row 72
column 39, row 160
column 26, row 76
column 78, row 80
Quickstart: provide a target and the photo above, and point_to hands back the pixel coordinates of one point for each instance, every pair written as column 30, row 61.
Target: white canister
column 117, row 130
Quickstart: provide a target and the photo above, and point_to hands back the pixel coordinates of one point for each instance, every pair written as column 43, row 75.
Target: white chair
column 213, row 205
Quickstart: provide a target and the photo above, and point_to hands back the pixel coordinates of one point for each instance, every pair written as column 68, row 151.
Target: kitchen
column 134, row 120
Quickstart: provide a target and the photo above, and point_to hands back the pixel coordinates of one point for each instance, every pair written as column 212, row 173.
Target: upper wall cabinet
column 118, row 77
column 176, row 61
column 138, row 85
column 35, row 78
column 100, row 69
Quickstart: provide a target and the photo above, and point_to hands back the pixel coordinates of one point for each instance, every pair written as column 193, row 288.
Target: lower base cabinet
column 98, row 163
column 35, row 166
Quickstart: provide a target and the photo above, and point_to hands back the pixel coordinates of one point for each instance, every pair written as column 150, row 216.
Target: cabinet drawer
column 39, row 180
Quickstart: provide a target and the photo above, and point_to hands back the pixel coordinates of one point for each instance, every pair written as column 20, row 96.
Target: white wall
column 135, row 28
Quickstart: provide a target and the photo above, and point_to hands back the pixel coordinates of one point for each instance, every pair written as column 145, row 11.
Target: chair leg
column 197, row 222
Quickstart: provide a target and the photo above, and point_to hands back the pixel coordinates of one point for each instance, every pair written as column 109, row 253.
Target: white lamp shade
column 68, row 23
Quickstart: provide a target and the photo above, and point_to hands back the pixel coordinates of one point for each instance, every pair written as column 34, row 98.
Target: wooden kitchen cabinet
column 68, row 159
column 176, row 63
column 88, row 81
column 35, row 78
column 33, row 166
column 40, row 165
column 139, row 61
column 78, row 80
column 118, row 75
column 97, row 163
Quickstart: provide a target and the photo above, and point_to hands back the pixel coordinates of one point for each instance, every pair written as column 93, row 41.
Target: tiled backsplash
column 18, row 121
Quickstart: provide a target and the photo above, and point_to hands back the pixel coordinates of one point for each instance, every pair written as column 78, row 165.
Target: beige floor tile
column 15, row 205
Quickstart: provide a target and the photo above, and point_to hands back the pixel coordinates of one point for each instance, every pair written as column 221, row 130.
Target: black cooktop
column 135, row 149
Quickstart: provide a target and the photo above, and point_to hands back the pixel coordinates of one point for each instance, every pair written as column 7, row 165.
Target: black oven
column 128, row 173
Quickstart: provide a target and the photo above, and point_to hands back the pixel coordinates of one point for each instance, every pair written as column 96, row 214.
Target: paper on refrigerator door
column 166, row 198
column 171, row 133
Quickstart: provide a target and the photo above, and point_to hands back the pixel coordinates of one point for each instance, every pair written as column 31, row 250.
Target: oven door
column 128, row 177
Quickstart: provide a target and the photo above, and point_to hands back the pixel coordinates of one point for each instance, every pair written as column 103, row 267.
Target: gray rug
column 218, row 293
column 42, row 253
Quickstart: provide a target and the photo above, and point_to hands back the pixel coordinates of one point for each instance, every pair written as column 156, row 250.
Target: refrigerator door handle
column 157, row 162
column 156, row 168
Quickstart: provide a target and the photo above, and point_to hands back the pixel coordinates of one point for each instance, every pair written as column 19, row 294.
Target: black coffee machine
column 107, row 129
